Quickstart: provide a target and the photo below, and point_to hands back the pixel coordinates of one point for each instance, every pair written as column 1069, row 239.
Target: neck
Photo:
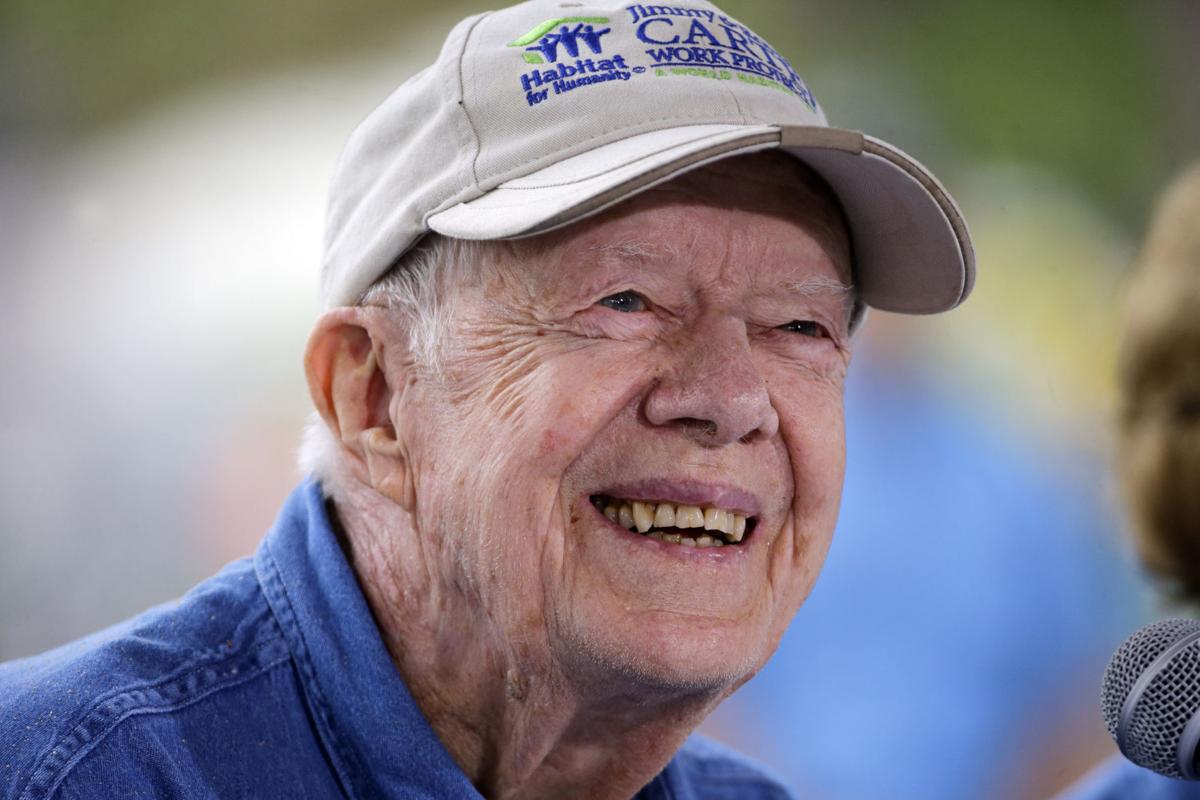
column 515, row 720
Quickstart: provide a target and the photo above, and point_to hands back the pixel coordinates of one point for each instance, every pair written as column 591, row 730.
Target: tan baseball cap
column 538, row 115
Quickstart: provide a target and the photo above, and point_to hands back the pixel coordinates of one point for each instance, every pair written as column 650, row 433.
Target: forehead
column 763, row 217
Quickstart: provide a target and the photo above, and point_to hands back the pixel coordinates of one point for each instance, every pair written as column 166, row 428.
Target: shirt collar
column 379, row 742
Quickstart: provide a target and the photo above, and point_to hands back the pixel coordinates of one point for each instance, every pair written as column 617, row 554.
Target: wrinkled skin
column 545, row 645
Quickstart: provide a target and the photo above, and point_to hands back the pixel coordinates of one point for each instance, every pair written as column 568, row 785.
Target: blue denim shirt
column 269, row 680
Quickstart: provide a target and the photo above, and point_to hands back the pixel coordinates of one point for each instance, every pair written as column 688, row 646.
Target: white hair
column 417, row 287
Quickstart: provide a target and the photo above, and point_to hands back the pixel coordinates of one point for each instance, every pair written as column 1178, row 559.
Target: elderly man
column 591, row 282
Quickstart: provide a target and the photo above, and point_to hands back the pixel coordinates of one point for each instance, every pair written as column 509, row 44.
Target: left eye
column 624, row 301
column 806, row 327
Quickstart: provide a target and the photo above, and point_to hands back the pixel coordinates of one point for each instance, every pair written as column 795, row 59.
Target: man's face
column 685, row 349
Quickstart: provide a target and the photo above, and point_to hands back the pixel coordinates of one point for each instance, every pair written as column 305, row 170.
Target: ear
column 344, row 363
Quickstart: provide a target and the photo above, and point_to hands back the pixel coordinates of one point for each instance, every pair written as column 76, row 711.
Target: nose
column 712, row 389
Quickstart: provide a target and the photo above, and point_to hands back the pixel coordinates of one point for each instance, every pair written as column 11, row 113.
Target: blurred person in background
column 1159, row 379
column 569, row 489
column 1158, row 455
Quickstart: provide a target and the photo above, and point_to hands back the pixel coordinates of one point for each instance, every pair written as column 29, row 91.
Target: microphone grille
column 1166, row 702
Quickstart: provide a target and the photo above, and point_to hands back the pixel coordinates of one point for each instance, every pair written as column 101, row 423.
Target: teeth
column 727, row 527
column 739, row 528
column 625, row 516
column 714, row 518
column 643, row 516
column 689, row 517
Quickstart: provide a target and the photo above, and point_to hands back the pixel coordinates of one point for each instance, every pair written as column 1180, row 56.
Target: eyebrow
column 633, row 250
column 815, row 285
column 820, row 284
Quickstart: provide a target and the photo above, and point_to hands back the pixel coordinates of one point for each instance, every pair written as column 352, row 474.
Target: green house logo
column 548, row 40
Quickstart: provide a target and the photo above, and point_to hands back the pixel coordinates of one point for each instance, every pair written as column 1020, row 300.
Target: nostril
column 702, row 427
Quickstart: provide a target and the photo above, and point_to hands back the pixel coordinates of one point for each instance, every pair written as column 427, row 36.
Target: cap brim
column 912, row 251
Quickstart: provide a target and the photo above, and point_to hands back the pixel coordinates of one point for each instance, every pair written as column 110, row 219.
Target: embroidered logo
column 574, row 40
column 700, row 42
column 567, row 53
column 548, row 40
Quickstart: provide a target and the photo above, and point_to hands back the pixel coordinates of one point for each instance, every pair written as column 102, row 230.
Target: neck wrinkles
column 511, row 718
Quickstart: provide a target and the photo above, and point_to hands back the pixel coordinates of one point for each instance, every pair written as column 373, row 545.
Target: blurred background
column 163, row 167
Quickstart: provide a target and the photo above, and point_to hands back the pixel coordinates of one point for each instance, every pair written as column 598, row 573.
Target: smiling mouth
column 676, row 523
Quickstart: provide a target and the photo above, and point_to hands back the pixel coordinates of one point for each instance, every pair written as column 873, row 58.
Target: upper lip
column 687, row 491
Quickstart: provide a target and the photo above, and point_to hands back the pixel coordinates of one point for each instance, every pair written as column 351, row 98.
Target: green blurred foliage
column 1104, row 93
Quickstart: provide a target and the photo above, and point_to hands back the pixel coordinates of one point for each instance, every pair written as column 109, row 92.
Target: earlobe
column 344, row 363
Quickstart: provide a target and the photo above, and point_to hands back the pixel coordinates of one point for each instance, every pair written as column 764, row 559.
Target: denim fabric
column 269, row 680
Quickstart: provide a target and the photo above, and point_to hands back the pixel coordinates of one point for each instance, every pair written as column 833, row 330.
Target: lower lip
column 726, row 554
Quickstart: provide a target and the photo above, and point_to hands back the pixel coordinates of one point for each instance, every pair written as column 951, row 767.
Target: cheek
column 512, row 421
column 811, row 410
column 812, row 425
column 541, row 404
column 506, row 450
column 820, row 430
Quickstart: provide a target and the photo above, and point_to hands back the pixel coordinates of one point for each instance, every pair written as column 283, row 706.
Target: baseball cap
column 538, row 115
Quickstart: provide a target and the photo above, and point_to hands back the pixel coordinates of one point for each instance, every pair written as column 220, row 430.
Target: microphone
column 1151, row 697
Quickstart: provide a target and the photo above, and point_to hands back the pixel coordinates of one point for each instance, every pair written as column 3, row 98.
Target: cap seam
column 462, row 97
column 615, row 194
column 580, row 200
column 584, row 145
column 548, row 159
column 737, row 105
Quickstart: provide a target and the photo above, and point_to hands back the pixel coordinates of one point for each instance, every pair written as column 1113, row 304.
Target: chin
column 659, row 653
